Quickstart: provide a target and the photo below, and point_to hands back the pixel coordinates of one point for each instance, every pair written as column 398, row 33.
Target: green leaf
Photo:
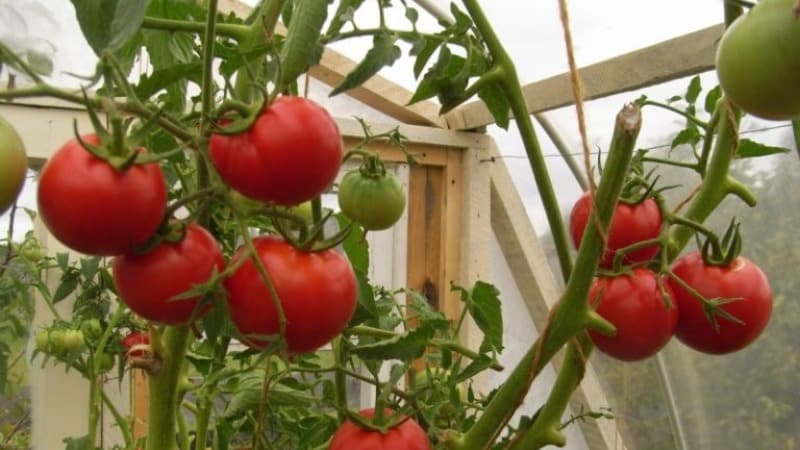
column 108, row 24
column 440, row 76
column 81, row 443
column 497, row 103
column 405, row 348
column 161, row 79
column 711, row 99
column 344, row 13
column 383, row 53
column 483, row 305
column 752, row 149
column 247, row 396
column 689, row 136
column 423, row 54
column 475, row 367
column 89, row 267
column 694, row 90
column 300, row 49
column 68, row 284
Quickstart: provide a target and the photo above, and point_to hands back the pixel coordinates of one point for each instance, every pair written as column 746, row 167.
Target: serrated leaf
column 161, row 79
column 497, row 103
column 423, row 54
column 477, row 366
column 694, row 89
column 89, row 267
column 689, row 136
column 108, row 24
column 68, row 284
column 484, row 307
column 383, row 53
column 752, row 149
column 344, row 13
column 712, row 97
column 405, row 348
column 248, row 393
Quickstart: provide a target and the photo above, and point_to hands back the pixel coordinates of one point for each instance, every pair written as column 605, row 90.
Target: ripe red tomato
column 742, row 280
column 318, row 292
column 408, row 435
column 147, row 283
column 291, row 154
column 135, row 338
column 630, row 224
column 13, row 165
column 634, row 304
column 95, row 209
column 758, row 59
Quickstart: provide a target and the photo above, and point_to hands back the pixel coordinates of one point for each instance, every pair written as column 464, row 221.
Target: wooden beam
column 689, row 54
column 537, row 285
column 378, row 92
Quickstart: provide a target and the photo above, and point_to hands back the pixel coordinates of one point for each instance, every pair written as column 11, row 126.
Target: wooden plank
column 378, row 92
column 537, row 284
column 450, row 237
column 686, row 55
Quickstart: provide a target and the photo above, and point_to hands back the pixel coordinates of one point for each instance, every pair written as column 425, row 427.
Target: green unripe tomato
column 56, row 340
column 92, row 330
column 303, row 211
column 376, row 202
column 73, row 341
column 758, row 61
column 105, row 362
column 43, row 341
column 13, row 165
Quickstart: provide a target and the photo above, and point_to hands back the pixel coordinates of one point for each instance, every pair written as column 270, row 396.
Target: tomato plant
column 635, row 304
column 96, row 209
column 317, row 291
column 746, row 295
column 290, row 155
column 13, row 165
column 407, row 435
column 374, row 200
column 631, row 223
column 758, row 59
column 151, row 284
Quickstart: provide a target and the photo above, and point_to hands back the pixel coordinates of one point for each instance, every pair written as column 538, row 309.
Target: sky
column 531, row 31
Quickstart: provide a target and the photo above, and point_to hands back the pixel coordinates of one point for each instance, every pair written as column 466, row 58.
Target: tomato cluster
column 712, row 308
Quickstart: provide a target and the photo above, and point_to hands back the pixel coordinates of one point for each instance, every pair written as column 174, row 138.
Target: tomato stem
column 235, row 31
column 163, row 389
column 562, row 325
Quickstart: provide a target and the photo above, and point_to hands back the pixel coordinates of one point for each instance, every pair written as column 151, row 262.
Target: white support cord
column 674, row 419
column 433, row 9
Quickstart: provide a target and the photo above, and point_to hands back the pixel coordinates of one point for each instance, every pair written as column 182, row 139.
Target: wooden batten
column 686, row 55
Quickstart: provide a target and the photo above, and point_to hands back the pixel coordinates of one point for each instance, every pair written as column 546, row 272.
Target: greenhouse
column 403, row 225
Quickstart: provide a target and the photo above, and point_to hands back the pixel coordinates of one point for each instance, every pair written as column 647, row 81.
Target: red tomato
column 634, row 304
column 135, row 338
column 630, row 224
column 742, row 280
column 95, row 209
column 148, row 282
column 408, row 435
column 291, row 154
column 318, row 292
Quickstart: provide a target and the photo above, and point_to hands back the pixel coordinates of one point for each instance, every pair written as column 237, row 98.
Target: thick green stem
column 511, row 87
column 572, row 314
column 123, row 423
column 261, row 29
column 716, row 183
column 202, row 418
column 340, row 378
column 235, row 31
column 546, row 428
column 95, row 403
column 796, row 129
column 163, row 395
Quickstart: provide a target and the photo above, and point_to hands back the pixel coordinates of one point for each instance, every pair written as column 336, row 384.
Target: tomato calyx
column 723, row 253
column 117, row 147
column 310, row 238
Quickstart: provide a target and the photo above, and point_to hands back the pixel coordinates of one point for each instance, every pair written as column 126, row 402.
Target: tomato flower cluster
column 712, row 308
